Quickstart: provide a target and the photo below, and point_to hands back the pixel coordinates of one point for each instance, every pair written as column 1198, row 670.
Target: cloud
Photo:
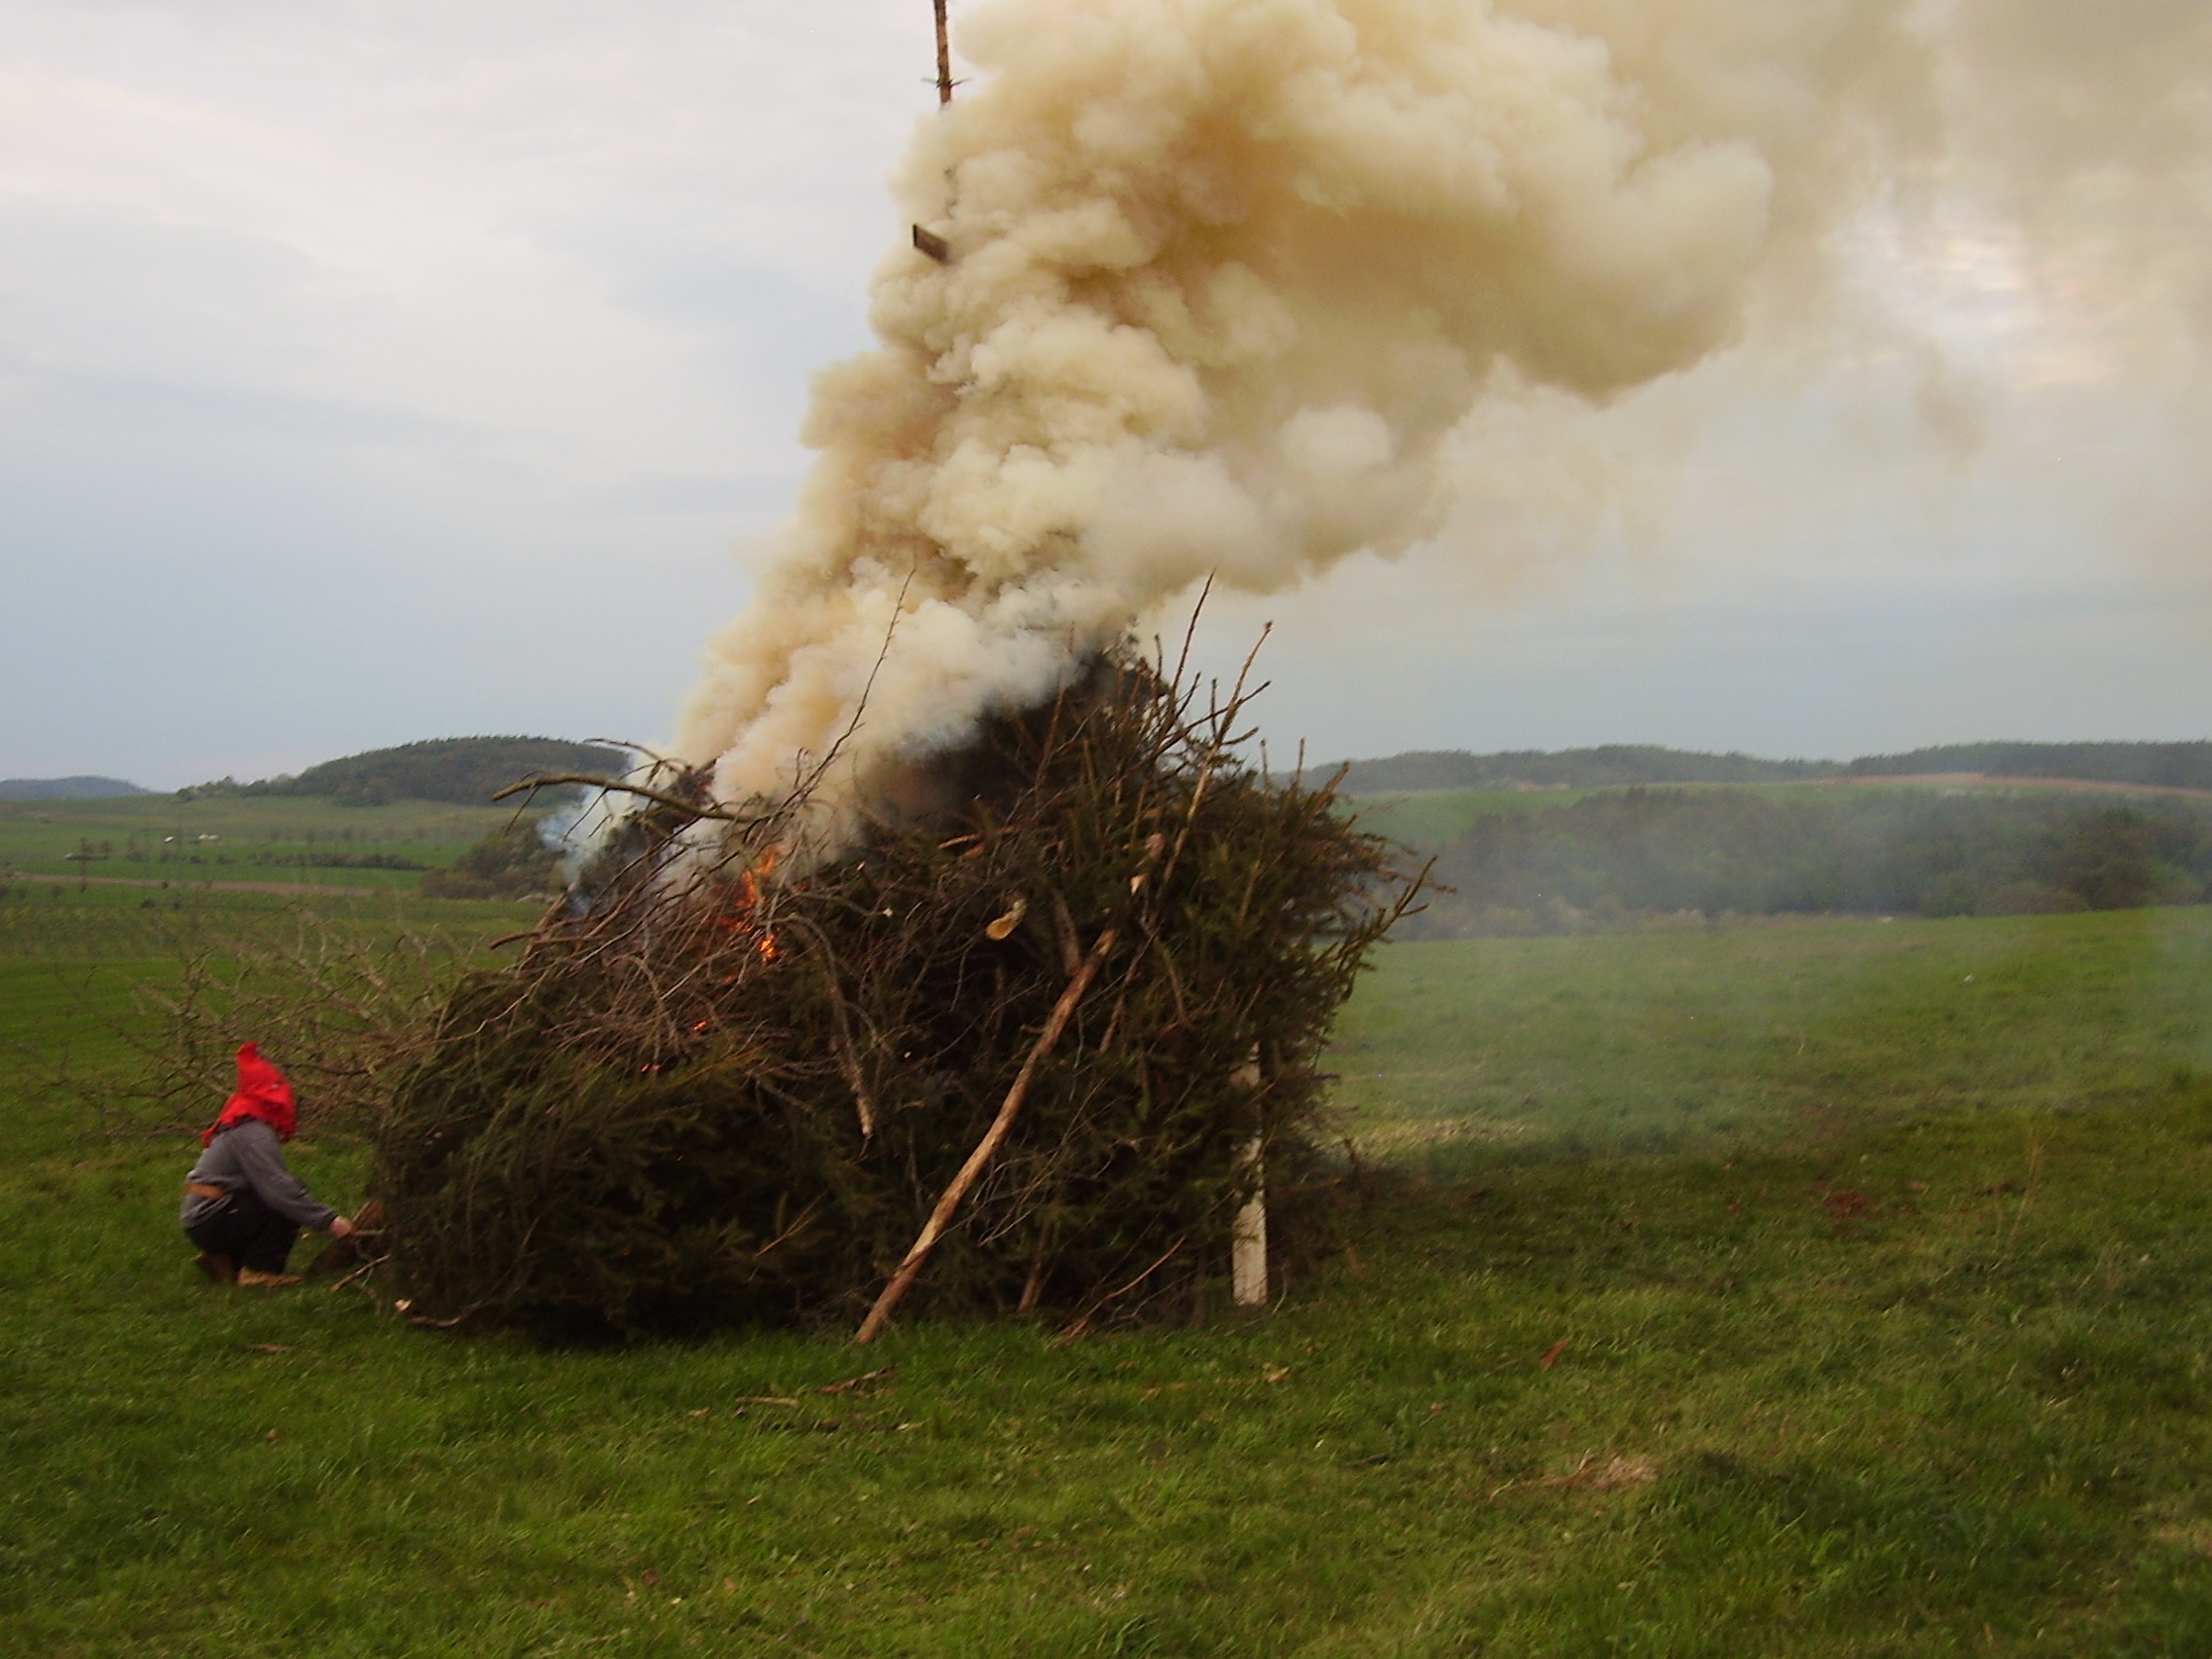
column 364, row 322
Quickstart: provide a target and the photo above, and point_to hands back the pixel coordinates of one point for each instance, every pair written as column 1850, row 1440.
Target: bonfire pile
column 1072, row 1014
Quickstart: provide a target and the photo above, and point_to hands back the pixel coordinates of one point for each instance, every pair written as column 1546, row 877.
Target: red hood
column 262, row 1094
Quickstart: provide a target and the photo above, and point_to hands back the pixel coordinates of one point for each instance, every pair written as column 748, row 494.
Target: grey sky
column 376, row 372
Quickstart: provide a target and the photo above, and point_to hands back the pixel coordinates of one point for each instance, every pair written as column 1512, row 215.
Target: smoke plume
column 1223, row 280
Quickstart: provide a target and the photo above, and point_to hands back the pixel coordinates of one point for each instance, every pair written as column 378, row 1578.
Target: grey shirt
column 248, row 1154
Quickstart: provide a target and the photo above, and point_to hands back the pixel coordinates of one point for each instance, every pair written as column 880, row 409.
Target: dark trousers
column 248, row 1232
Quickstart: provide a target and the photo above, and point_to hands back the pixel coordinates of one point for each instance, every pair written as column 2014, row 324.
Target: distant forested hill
column 66, row 789
column 2165, row 765
column 464, row 770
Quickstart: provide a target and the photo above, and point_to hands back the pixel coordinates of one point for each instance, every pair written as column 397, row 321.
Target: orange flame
column 741, row 923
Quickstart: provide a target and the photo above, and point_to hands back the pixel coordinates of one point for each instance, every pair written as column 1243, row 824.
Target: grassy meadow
column 1767, row 1030
column 284, row 840
column 1827, row 1287
column 1424, row 820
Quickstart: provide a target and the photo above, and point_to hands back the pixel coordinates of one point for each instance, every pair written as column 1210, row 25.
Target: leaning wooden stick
column 987, row 1148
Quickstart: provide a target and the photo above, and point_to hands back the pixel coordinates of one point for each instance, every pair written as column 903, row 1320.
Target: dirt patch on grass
column 1615, row 1474
column 1389, row 1139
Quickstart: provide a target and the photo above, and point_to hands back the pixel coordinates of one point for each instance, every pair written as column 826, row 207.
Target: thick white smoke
column 1224, row 278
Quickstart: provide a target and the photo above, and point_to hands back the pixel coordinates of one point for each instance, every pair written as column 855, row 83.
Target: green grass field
column 1684, row 1039
column 1426, row 819
column 262, row 839
column 1762, row 1291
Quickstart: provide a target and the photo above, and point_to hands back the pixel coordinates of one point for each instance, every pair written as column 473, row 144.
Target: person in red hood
column 242, row 1207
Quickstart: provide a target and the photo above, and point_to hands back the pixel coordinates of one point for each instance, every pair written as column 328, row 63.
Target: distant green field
column 1426, row 819
column 2010, row 789
column 282, row 839
column 53, row 922
column 1890, row 1340
column 71, row 963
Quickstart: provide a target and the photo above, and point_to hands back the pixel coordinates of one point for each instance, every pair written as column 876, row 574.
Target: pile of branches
column 1029, row 1052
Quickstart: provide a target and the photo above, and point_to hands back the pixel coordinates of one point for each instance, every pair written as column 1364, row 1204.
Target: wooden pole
column 1248, row 1233
column 943, row 58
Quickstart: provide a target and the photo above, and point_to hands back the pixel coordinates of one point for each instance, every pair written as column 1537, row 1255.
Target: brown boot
column 256, row 1279
column 220, row 1269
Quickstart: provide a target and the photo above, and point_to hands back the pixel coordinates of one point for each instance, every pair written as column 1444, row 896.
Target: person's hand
column 340, row 1227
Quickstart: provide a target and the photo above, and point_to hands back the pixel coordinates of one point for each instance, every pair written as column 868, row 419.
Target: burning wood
column 996, row 1058
column 744, row 920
